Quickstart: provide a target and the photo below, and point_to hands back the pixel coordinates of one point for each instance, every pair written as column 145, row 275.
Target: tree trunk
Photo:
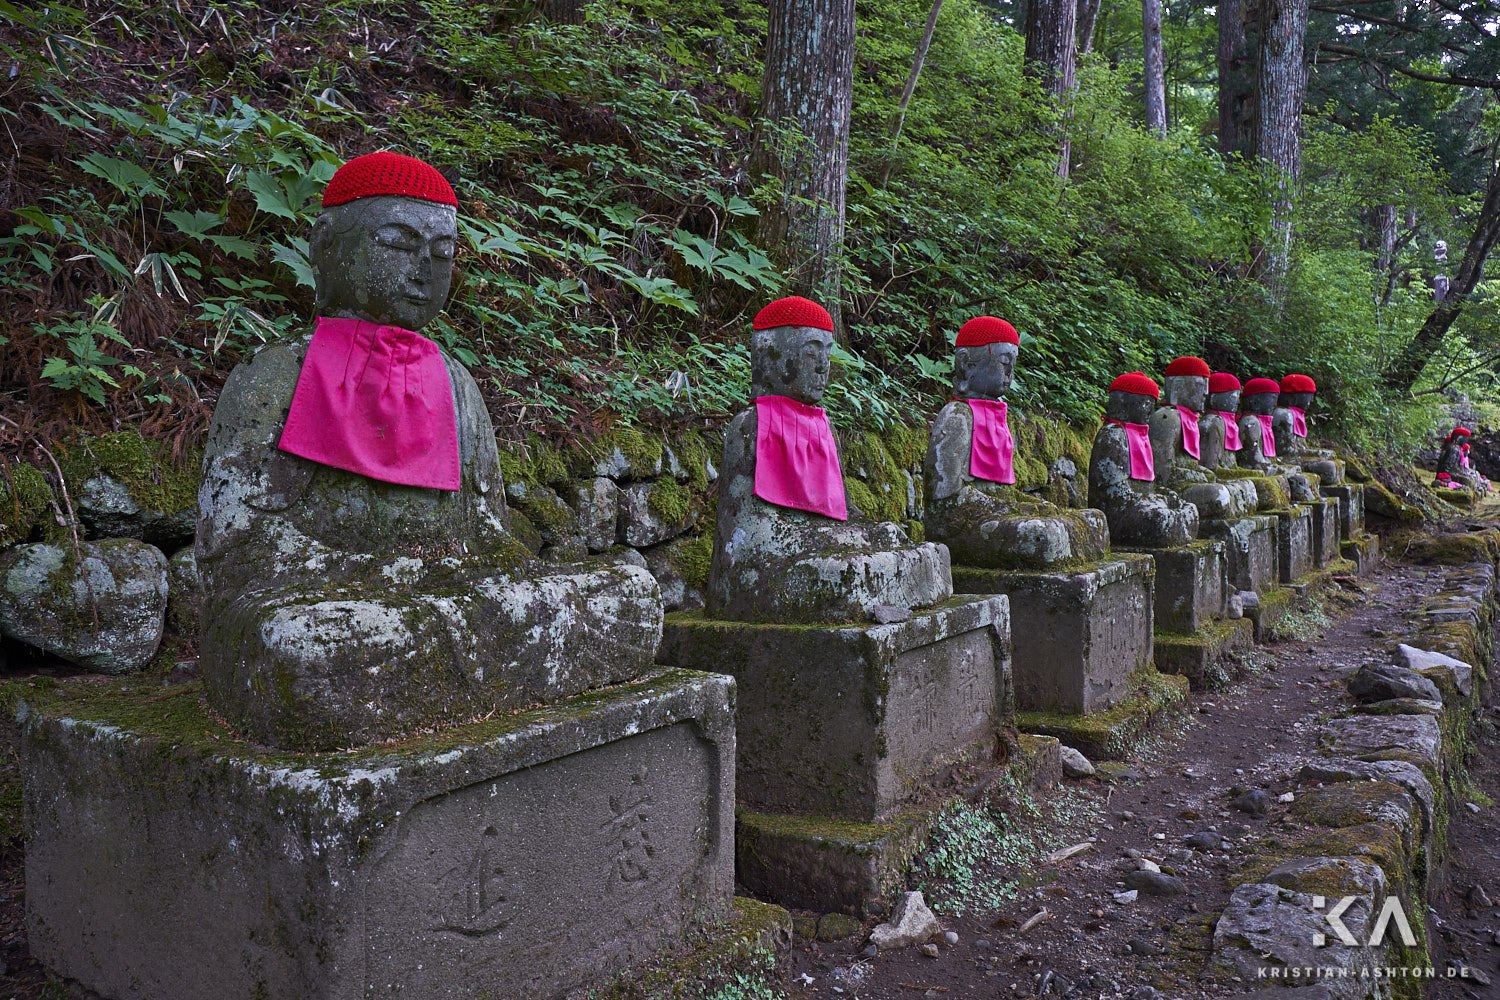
column 1051, row 26
column 911, row 85
column 1234, row 80
column 1156, row 79
column 1407, row 368
column 1385, row 218
column 563, row 11
column 1088, row 15
column 802, row 139
column 1280, row 83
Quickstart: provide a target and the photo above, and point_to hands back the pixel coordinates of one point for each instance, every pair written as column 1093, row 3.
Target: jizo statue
column 359, row 578
column 788, row 545
column 1176, row 436
column 1122, row 474
column 972, row 503
column 1220, row 425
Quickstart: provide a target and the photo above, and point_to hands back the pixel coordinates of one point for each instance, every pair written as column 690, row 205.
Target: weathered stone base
column 850, row 721
column 1325, row 535
column 1209, row 657
column 1363, row 550
column 1351, row 498
column 522, row 856
column 1114, row 734
column 1294, row 538
column 1249, row 547
column 1190, row 585
column 1087, row 629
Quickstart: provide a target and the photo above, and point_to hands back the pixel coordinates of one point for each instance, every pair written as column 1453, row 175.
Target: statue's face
column 984, row 372
column 386, row 260
column 1186, row 390
column 1131, row 407
column 1261, row 402
column 1459, row 440
column 790, row 361
column 1225, row 402
column 1301, row 400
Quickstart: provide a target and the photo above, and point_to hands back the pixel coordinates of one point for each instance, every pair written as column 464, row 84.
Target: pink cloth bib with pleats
column 1267, row 436
column 796, row 461
column 991, row 448
column 1464, row 460
column 1142, row 460
column 375, row 400
column 1190, row 431
column 1231, row 431
column 1299, row 422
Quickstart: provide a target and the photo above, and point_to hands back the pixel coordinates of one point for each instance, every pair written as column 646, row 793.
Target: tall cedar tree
column 1280, row 83
column 1051, row 27
column 1155, row 68
column 802, row 140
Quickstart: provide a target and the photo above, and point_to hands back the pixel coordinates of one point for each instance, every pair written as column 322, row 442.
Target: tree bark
column 1407, row 367
column 1155, row 76
column 1235, row 92
column 1088, row 16
column 1280, row 84
column 1385, row 218
column 1051, row 27
column 563, row 11
column 911, row 85
column 802, row 140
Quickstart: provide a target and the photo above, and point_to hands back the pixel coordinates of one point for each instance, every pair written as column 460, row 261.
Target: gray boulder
column 911, row 923
column 1075, row 764
column 105, row 615
column 597, row 507
column 182, row 593
column 1384, row 681
column 109, row 511
column 651, row 513
column 1423, row 660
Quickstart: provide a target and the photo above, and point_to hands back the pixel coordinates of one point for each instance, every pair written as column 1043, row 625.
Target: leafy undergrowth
column 980, row 854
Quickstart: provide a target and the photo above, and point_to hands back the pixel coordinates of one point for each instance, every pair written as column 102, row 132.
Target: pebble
column 1472, row 807
column 1126, row 898
column 1286, row 797
column 1256, row 802
column 1147, row 865
column 951, row 937
column 1140, row 947
column 1478, row 898
column 1131, row 853
column 870, row 951
column 1204, row 840
column 983, row 944
column 1158, row 836
column 930, row 950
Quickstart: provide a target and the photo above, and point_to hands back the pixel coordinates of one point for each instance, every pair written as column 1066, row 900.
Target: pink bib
column 1190, row 431
column 991, row 447
column 1142, row 461
column 1464, row 460
column 1267, row 437
column 375, row 400
column 1231, row 430
column 796, row 461
column 1299, row 422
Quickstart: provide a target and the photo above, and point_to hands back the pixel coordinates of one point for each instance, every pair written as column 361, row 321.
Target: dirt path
column 1256, row 735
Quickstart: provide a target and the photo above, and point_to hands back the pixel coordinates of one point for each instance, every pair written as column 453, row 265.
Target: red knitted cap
column 1258, row 385
column 983, row 330
column 793, row 310
column 1455, row 432
column 1223, row 382
column 1298, row 383
column 1188, row 366
column 1136, row 382
column 388, row 173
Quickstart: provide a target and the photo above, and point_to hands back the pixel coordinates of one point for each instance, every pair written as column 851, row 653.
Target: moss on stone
column 880, row 489
column 153, row 478
column 1457, row 548
column 1350, row 803
column 741, row 951
column 1110, row 734
column 25, row 502
column 669, row 500
column 692, row 558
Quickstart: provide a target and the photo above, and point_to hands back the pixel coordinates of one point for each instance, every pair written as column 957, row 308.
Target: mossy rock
column 25, row 504
column 155, row 479
column 1454, row 549
column 1352, row 803
column 1381, row 502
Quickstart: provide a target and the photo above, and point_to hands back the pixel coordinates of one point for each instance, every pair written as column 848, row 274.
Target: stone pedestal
column 1325, row 534
column 1294, row 537
column 1249, row 548
column 1087, row 630
column 1351, row 498
column 840, row 728
column 528, row 855
column 1363, row 550
column 1190, row 585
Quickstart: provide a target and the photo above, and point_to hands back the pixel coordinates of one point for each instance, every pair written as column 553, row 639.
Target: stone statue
column 787, row 547
column 1289, row 422
column 1257, row 433
column 359, row 578
column 973, row 505
column 1220, row 428
column 1122, row 475
column 1454, row 466
column 1176, row 435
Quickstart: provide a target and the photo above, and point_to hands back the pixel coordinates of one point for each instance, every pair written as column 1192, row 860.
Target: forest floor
column 1255, row 734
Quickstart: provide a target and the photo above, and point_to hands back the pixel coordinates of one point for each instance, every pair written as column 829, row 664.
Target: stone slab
column 1363, row 550
column 849, row 721
column 1207, row 658
column 1325, row 537
column 1113, row 734
column 1250, row 549
column 1086, row 629
column 1294, row 538
column 527, row 855
column 1190, row 585
column 1351, row 498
